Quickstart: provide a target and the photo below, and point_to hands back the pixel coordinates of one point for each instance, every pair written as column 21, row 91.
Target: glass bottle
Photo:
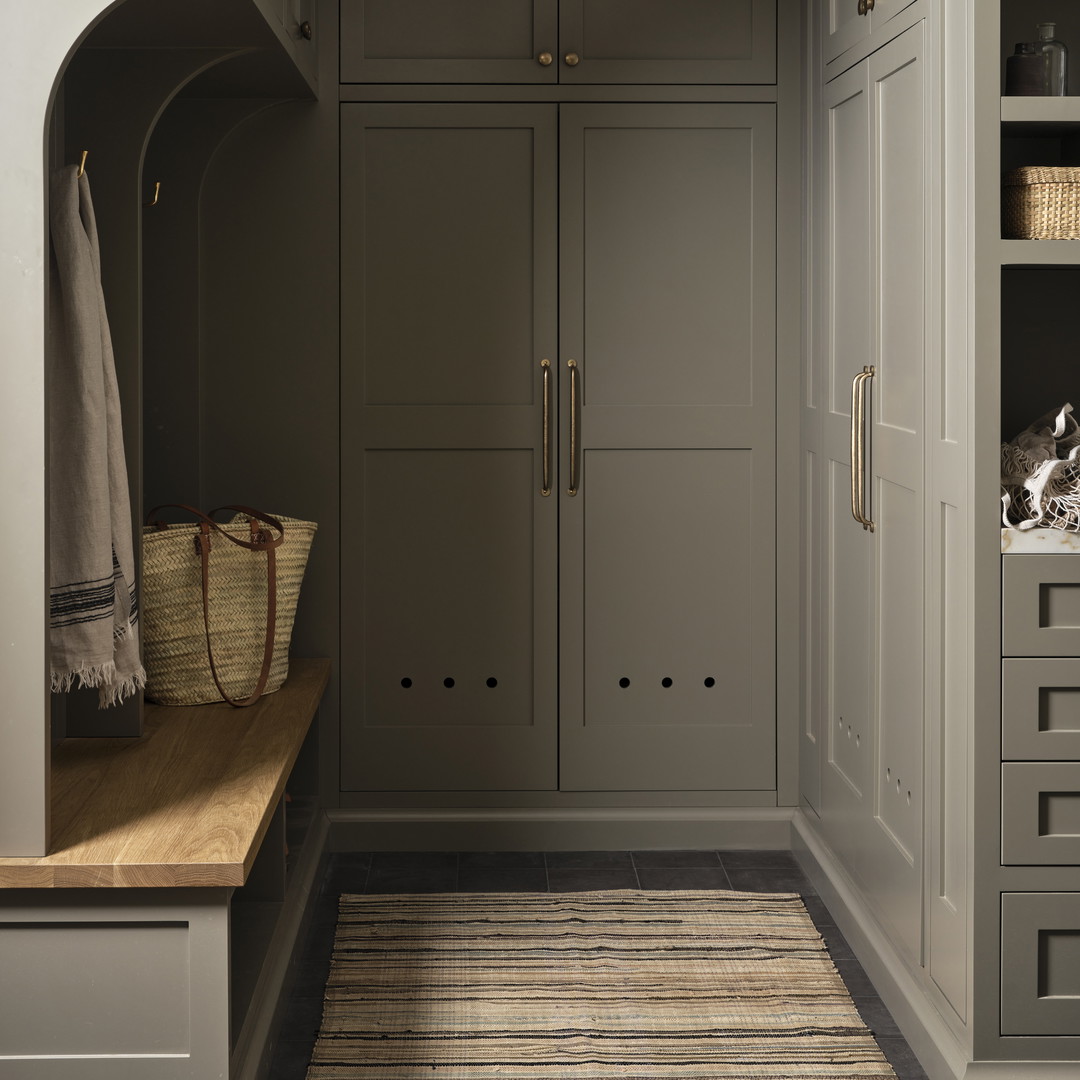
column 1057, row 60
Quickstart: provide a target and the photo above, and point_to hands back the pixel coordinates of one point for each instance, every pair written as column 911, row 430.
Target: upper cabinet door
column 449, row 41
column 847, row 22
column 667, row 41
column 567, row 41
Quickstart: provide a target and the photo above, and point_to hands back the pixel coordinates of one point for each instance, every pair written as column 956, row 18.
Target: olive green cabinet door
column 448, row 545
column 667, row 314
column 449, row 41
column 667, row 41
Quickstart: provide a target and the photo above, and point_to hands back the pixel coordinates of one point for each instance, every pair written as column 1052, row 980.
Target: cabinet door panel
column 448, row 41
column 448, row 546
column 667, row 549
column 848, row 776
column 901, row 267
column 876, row 314
column 668, row 41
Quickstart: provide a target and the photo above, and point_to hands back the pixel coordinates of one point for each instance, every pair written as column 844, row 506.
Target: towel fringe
column 100, row 677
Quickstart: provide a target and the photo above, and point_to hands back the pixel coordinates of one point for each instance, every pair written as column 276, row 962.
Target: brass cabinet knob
column 544, row 59
column 870, row 5
column 572, row 59
column 305, row 30
column 862, row 7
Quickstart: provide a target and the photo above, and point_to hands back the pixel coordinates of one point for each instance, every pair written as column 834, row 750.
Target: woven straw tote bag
column 218, row 602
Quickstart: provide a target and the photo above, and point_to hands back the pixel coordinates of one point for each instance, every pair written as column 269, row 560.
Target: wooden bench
column 119, row 939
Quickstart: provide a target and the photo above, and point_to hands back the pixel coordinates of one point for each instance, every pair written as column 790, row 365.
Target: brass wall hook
column 157, row 192
column 82, row 163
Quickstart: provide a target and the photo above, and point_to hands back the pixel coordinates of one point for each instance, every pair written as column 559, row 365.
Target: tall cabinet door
column 900, row 275
column 667, row 575
column 448, row 543
column 876, row 312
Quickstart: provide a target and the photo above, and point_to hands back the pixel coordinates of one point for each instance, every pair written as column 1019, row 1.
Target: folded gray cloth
column 93, row 614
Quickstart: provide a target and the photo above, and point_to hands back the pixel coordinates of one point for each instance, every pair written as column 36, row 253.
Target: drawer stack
column 1040, row 790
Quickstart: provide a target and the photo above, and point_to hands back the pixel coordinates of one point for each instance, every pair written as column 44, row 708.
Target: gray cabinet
column 877, row 258
column 652, row 419
column 549, row 41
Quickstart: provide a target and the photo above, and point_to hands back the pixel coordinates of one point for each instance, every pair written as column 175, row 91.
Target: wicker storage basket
column 1041, row 203
column 174, row 638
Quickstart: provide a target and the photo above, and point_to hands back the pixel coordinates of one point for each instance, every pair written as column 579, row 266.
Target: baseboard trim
column 561, row 829
column 927, row 1032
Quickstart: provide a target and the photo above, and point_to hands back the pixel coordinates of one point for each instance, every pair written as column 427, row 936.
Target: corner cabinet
column 558, row 41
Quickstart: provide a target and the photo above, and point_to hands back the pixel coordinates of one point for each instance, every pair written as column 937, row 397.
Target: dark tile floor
column 558, row 871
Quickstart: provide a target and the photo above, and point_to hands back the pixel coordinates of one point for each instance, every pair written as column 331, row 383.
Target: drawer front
column 1040, row 964
column 1040, row 709
column 1041, row 605
column 1040, row 813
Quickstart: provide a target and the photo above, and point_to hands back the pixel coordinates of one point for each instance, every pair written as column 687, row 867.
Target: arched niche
column 94, row 76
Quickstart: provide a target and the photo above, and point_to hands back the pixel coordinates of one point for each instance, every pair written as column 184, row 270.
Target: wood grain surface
column 187, row 804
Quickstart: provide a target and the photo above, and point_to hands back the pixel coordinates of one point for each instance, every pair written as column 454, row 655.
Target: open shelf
column 1031, row 114
column 1032, row 253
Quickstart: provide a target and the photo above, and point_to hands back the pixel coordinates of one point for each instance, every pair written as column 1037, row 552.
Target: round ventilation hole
column 448, row 683
column 406, row 683
column 493, row 682
column 666, row 681
column 624, row 682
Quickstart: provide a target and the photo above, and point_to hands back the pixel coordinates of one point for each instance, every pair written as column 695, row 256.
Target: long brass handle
column 545, row 367
column 573, row 488
column 858, row 447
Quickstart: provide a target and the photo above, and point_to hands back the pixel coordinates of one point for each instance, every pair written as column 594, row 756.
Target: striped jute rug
column 586, row 986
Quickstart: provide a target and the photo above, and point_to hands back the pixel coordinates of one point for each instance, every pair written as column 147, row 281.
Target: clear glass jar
column 1056, row 57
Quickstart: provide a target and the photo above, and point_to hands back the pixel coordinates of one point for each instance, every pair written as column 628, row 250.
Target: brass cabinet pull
column 545, row 59
column 858, row 447
column 870, row 4
column 545, row 367
column 572, row 59
column 573, row 488
column 862, row 7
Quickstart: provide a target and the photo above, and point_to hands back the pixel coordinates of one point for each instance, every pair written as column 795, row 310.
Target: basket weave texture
column 174, row 638
column 1041, row 203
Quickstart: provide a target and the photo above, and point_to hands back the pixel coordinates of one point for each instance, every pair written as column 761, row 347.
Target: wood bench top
column 186, row 804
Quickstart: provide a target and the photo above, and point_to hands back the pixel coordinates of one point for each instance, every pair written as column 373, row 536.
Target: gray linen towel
column 93, row 615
